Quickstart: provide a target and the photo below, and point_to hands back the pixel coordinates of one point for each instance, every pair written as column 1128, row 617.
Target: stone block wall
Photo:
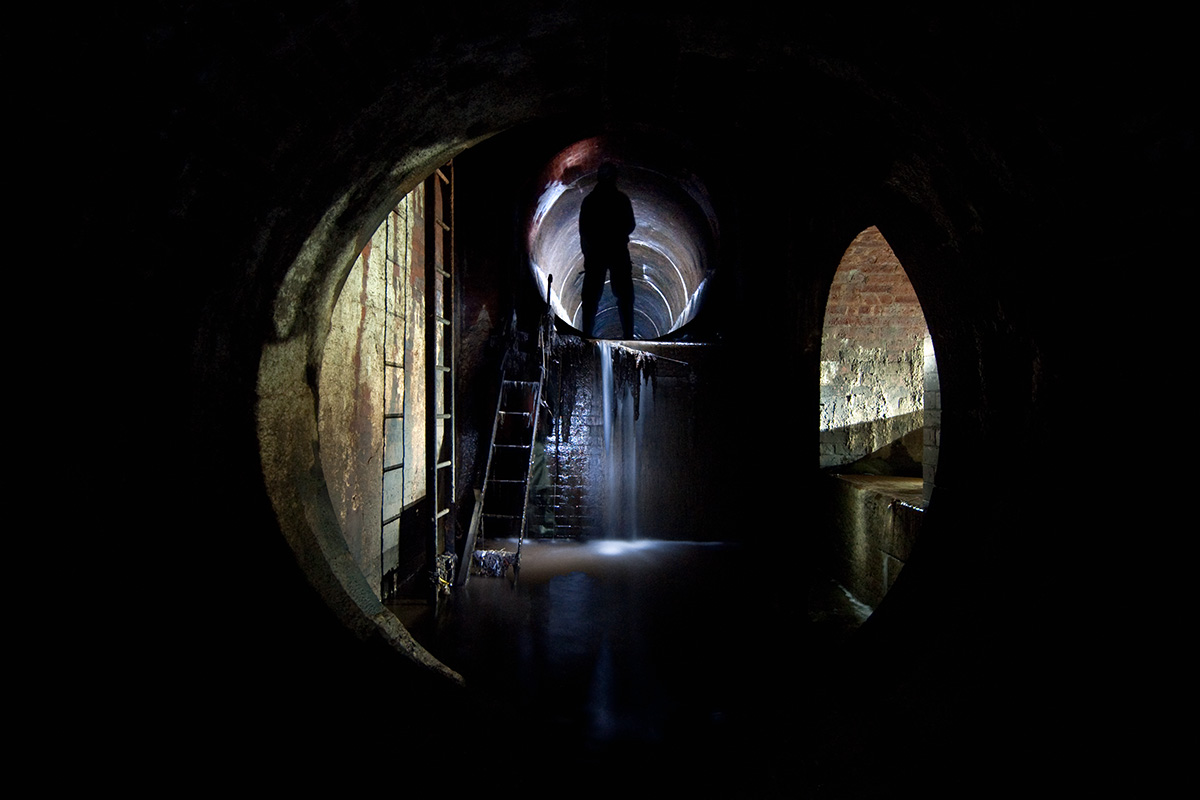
column 875, row 522
column 872, row 354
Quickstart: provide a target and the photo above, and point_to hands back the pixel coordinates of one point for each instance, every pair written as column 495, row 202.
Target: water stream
column 622, row 449
column 639, row 654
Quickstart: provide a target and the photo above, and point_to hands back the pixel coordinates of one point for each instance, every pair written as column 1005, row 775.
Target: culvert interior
column 272, row 143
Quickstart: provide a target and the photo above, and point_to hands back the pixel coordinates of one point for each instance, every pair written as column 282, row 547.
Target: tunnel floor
column 603, row 656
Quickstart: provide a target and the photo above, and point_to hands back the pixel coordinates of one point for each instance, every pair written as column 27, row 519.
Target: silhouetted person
column 605, row 222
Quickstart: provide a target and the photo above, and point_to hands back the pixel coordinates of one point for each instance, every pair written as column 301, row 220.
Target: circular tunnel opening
column 880, row 408
column 672, row 247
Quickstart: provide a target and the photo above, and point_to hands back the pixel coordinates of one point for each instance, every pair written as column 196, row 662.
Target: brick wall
column 872, row 354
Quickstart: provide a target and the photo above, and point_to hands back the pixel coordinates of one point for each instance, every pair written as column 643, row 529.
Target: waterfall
column 631, row 440
column 606, row 382
column 609, row 490
column 620, row 457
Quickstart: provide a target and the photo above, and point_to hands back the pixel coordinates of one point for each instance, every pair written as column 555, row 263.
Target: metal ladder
column 411, row 523
column 513, row 438
column 504, row 499
column 440, row 341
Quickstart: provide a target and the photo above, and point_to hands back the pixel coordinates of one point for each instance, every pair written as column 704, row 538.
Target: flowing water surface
column 674, row 653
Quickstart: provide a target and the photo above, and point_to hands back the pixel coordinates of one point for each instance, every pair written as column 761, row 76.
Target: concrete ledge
column 873, row 522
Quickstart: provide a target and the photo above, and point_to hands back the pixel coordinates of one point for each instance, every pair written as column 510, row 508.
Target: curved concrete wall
column 672, row 248
column 272, row 142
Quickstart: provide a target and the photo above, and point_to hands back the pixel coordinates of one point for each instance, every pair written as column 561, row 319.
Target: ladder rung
column 394, row 467
column 444, row 464
column 442, row 513
column 441, row 272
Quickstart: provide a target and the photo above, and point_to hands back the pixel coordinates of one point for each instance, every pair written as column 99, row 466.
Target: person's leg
column 622, row 284
column 593, row 287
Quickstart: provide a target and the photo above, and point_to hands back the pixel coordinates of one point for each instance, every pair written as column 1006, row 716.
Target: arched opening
column 274, row 139
column 373, row 356
column 323, row 487
column 384, row 380
column 353, row 586
column 596, row 615
column 879, row 416
column 300, row 488
column 672, row 248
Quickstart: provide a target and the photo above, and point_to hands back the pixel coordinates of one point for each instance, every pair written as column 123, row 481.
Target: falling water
column 606, row 382
column 608, row 457
column 631, row 440
column 619, row 460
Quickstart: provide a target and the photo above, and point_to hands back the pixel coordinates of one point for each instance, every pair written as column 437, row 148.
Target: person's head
column 607, row 172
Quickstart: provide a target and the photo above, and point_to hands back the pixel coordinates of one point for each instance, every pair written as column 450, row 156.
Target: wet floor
column 608, row 657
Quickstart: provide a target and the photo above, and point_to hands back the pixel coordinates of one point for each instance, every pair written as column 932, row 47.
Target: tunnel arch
column 332, row 227
column 287, row 410
column 287, row 392
column 879, row 416
column 231, row 133
column 874, row 349
column 673, row 248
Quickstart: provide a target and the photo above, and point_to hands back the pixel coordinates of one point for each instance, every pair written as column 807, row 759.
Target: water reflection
column 655, row 648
